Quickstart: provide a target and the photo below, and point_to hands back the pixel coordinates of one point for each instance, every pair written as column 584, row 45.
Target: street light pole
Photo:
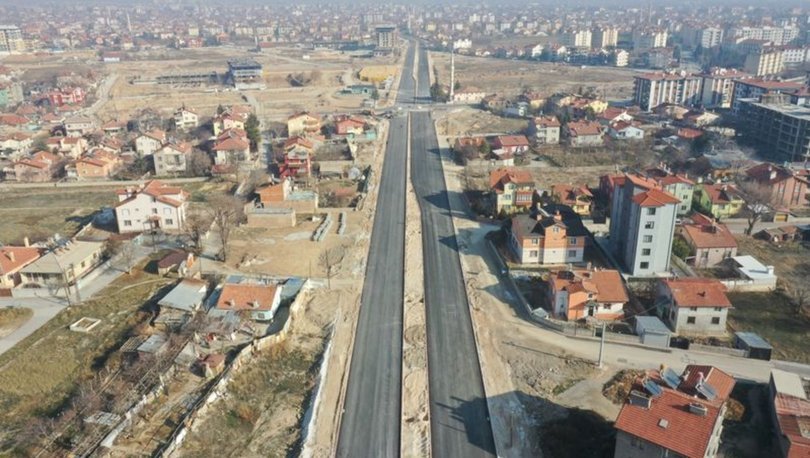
column 601, row 347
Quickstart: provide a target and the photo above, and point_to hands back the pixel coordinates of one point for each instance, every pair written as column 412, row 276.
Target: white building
column 764, row 63
column 620, row 58
column 172, row 159
column 78, row 126
column 650, row 39
column 604, row 37
column 576, row 38
column 718, row 87
column 148, row 143
column 778, row 35
column 151, row 206
column 654, row 89
column 185, row 119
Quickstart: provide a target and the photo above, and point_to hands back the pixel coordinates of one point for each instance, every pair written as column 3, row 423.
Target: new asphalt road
column 458, row 410
column 370, row 424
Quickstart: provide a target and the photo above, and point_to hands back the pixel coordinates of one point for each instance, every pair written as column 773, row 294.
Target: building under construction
column 245, row 74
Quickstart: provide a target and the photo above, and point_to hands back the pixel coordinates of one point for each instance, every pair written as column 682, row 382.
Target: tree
column 680, row 248
column 197, row 225
column 123, row 252
column 220, row 109
column 253, row 133
column 758, row 202
column 375, row 94
column 199, row 164
column 226, row 212
column 330, row 259
column 799, row 295
column 40, row 144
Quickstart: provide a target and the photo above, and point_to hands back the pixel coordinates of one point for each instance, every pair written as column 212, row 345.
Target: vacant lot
column 511, row 77
column 472, row 121
column 791, row 260
column 40, row 374
column 12, row 318
column 772, row 316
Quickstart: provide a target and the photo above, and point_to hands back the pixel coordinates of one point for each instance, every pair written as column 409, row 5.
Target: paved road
column 370, row 424
column 458, row 410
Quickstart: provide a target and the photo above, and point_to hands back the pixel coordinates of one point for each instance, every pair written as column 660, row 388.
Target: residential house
column 234, row 117
column 284, row 195
column 678, row 185
column 642, row 225
column 693, row 306
column 510, row 145
column 172, row 158
column 612, row 115
column 114, row 127
column 303, row 124
column 151, row 206
column 789, row 399
column 149, row 142
column 259, row 301
column 700, row 119
column 584, row 133
column 553, row 235
column 579, row 198
column 349, row 127
column 13, row 145
column 63, row 265
column 186, row 119
column 79, row 126
column 788, row 188
column 97, row 164
column 545, row 130
column 710, row 242
column 12, row 260
column 72, row 147
column 37, row 168
column 667, row 414
column 623, row 130
column 719, row 200
column 514, row 190
column 187, row 296
column 231, row 147
column 783, row 234
column 578, row 294
column 469, row 95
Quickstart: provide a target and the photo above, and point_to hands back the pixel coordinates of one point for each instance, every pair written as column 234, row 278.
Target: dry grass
column 791, row 260
column 39, row 374
column 618, row 388
column 12, row 318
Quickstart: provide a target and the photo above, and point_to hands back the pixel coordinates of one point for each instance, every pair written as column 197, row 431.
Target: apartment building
column 704, row 37
column 604, row 37
column 576, row 38
column 767, row 62
column 151, row 206
column 756, row 88
column 642, row 225
column 653, row 89
column 386, row 36
column 788, row 187
column 644, row 40
column 11, row 40
column 545, row 130
column 717, row 88
column 781, row 130
column 553, row 235
column 777, row 35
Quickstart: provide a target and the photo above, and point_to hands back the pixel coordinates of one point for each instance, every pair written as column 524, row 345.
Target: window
column 651, row 211
column 535, row 241
column 645, row 265
column 693, row 309
column 649, row 225
column 169, row 222
column 646, row 252
column 718, row 309
column 127, row 222
column 125, row 212
column 572, row 253
column 154, row 211
column 647, row 239
column 690, row 320
column 715, row 320
column 154, row 200
column 572, row 240
column 533, row 253
column 556, row 230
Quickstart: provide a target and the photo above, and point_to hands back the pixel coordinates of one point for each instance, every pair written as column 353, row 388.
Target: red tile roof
column 14, row 258
column 498, row 177
column 655, row 198
column 247, row 297
column 607, row 285
column 721, row 193
column 547, row 121
column 511, row 140
column 771, row 174
column 719, row 380
column 580, row 128
column 705, row 233
column 697, row 292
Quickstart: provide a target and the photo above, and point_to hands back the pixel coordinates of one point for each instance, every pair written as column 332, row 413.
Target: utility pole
column 601, row 347
column 452, row 71
column 76, row 283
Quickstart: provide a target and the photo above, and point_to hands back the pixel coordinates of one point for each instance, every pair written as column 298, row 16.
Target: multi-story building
column 653, row 89
column 11, row 40
column 781, row 130
column 386, row 36
column 644, row 40
column 678, row 185
column 245, row 73
column 704, row 37
column 514, row 190
column 719, row 200
column 172, row 159
column 794, row 56
column 151, row 206
column 186, row 119
column 579, row 294
column 584, row 133
column 756, row 88
column 620, row 58
column 777, row 35
column 642, row 224
column 717, row 87
column 788, row 187
column 545, row 130
column 764, row 63
column 604, row 37
column 693, row 306
column 667, row 414
column 554, row 235
column 149, row 142
column 303, row 124
column 576, row 38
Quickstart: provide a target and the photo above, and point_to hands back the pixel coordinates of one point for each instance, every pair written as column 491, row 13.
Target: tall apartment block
column 386, row 36
column 642, row 225
column 11, row 40
column 653, row 89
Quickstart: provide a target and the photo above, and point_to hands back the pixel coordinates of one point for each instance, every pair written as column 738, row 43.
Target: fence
column 748, row 285
column 196, row 414
column 719, row 350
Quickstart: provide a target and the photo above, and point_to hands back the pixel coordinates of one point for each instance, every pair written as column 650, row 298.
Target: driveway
column 44, row 309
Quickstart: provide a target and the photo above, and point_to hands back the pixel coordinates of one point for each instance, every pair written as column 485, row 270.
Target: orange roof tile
column 14, row 258
column 655, row 198
column 697, row 292
column 247, row 297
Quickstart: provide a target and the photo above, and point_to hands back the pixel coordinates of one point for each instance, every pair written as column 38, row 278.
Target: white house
column 148, row 143
column 151, row 206
column 185, row 119
column 625, row 131
column 77, row 126
column 693, row 306
column 172, row 158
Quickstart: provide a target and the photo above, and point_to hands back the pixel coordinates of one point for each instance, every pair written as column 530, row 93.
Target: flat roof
column 753, row 340
column 752, row 268
column 652, row 324
column 794, row 111
column 788, row 383
column 188, row 295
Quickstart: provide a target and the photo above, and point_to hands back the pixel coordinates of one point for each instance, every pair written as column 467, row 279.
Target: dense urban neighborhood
column 384, row 230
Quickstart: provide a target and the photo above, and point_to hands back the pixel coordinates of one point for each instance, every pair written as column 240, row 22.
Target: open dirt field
column 12, row 318
column 511, row 77
column 331, row 72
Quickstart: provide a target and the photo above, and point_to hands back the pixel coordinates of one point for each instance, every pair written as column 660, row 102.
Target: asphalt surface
column 458, row 410
column 370, row 424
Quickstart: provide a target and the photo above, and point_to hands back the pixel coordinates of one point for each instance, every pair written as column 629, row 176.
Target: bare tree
column 123, row 251
column 329, row 260
column 226, row 212
column 199, row 164
column 758, row 202
column 197, row 225
column 799, row 295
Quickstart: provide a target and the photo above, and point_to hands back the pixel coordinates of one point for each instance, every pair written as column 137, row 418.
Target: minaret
column 452, row 71
column 129, row 23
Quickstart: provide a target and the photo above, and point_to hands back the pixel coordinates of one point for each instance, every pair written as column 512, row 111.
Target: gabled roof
column 569, row 194
column 721, row 193
column 770, row 174
column 580, row 128
column 697, row 292
column 511, row 140
column 546, row 121
column 499, row 177
column 694, row 375
column 655, row 198
column 247, row 297
column 606, row 285
column 705, row 233
column 13, row 258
